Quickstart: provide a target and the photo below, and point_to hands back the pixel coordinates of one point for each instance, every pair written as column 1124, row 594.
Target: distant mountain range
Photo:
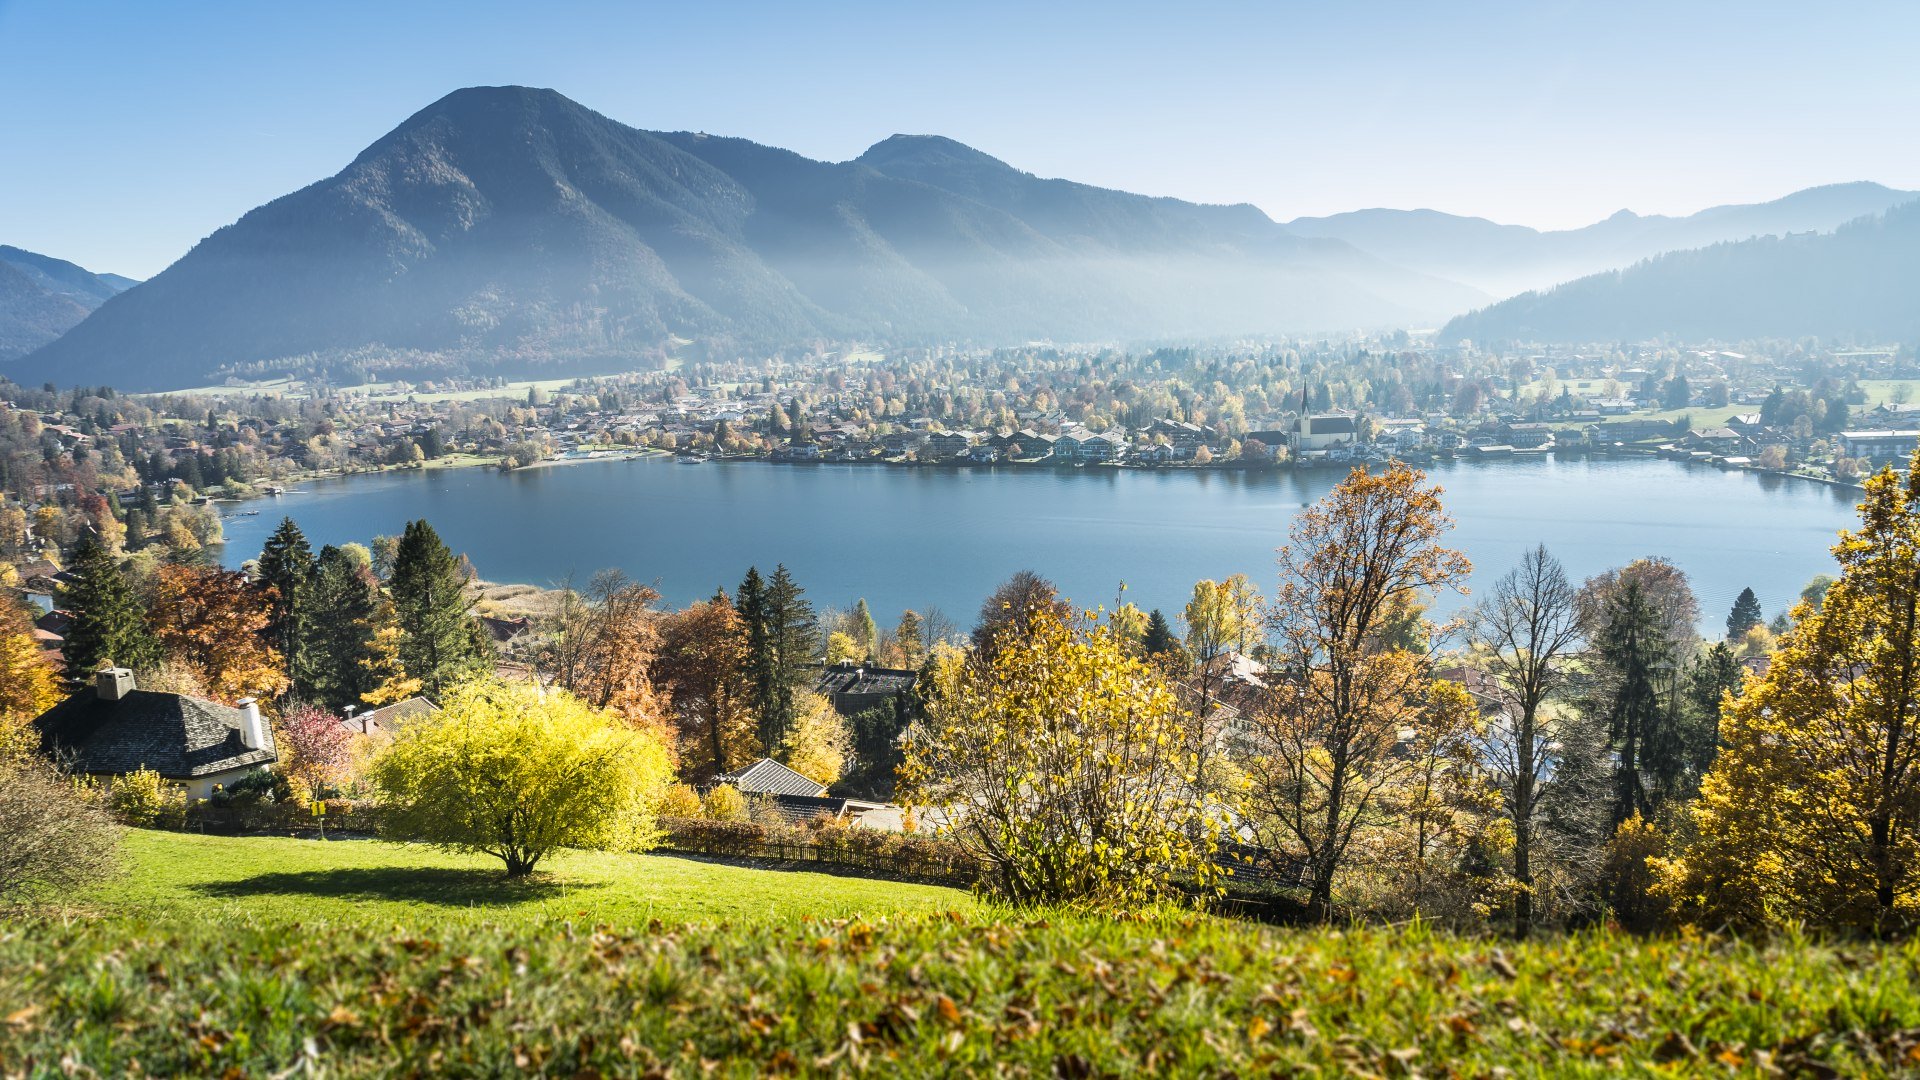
column 1861, row 281
column 42, row 298
column 506, row 230
column 1507, row 259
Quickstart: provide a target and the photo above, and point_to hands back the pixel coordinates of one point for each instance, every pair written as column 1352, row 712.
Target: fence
column 899, row 856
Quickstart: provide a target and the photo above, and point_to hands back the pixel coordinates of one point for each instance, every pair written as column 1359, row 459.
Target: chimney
column 252, row 731
column 113, row 683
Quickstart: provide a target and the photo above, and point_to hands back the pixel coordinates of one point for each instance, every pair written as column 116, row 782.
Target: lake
column 944, row 537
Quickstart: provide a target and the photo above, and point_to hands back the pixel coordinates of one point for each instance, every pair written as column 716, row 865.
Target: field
column 249, row 957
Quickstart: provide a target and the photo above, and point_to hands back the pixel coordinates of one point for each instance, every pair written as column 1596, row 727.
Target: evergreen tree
column 793, row 633
column 1745, row 615
column 761, row 667
column 438, row 643
column 1159, row 639
column 109, row 627
column 1713, row 675
column 1636, row 671
column 861, row 626
column 286, row 566
column 344, row 604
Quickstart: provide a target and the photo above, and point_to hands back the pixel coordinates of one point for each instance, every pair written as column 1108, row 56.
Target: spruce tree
column 286, row 566
column 1745, row 615
column 1636, row 662
column 793, row 631
column 109, row 627
column 762, row 669
column 1159, row 638
column 338, row 636
column 438, row 643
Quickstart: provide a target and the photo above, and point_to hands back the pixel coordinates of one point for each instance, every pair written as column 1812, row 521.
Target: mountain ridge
column 511, row 230
column 42, row 297
column 1855, row 282
column 1508, row 259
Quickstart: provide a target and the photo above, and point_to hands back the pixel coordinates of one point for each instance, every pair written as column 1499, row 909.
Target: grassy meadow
column 256, row 957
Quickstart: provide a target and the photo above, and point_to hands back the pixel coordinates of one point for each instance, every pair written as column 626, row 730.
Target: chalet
column 113, row 728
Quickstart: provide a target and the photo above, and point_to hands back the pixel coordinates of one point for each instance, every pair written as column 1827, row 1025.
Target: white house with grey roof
column 113, row 728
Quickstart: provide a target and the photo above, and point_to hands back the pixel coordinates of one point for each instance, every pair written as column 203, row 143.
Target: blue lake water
column 925, row 537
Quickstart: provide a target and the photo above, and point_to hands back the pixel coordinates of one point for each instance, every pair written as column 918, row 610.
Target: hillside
column 43, row 297
column 1508, row 259
column 1856, row 282
column 361, row 958
column 510, row 231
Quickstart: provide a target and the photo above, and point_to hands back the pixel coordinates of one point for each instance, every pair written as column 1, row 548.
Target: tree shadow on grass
column 446, row 886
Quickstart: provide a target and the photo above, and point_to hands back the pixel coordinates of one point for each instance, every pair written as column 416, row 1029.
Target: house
column 855, row 688
column 383, row 722
column 769, row 777
column 1882, row 445
column 113, row 728
column 504, row 632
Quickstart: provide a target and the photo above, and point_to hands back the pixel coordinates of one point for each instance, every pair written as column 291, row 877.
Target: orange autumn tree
column 212, row 623
column 1325, row 758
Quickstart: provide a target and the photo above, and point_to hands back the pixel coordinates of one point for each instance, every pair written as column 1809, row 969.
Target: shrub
column 145, row 799
column 725, row 803
column 258, row 788
column 679, row 801
column 507, row 770
column 57, row 834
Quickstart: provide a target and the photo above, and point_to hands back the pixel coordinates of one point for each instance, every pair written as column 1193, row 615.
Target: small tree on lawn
column 1066, row 766
column 509, row 771
column 319, row 747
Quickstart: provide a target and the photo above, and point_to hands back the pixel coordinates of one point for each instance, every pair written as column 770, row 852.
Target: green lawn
column 280, row 957
column 272, row 880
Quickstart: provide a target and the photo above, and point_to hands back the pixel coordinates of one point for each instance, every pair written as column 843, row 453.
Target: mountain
column 1856, row 282
column 43, row 297
column 510, row 231
column 1507, row 259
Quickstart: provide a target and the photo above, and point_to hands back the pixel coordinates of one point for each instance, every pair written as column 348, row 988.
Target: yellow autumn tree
column 819, row 744
column 1811, row 811
column 1325, row 754
column 27, row 685
column 512, row 771
column 1066, row 765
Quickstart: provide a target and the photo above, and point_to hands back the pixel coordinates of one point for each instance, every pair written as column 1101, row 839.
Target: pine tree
column 1159, row 639
column 1745, row 615
column 438, row 642
column 286, row 566
column 109, row 627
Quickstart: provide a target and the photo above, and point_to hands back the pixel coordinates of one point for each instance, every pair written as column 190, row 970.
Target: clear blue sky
column 128, row 131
